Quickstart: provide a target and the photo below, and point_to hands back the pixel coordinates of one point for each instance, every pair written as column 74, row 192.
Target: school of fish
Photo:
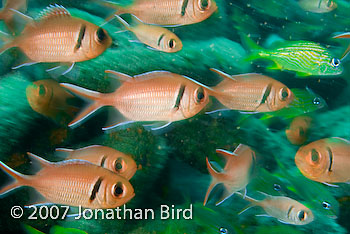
column 98, row 176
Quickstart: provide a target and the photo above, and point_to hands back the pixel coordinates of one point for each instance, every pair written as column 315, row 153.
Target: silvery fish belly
column 160, row 99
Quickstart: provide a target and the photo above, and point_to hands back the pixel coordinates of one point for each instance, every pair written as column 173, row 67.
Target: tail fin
column 252, row 201
column 214, row 182
column 119, row 9
column 20, row 179
column 255, row 49
column 64, row 153
column 8, row 42
column 93, row 96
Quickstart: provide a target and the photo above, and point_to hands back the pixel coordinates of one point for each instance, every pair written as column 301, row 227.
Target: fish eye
column 301, row 215
column 101, row 35
column 42, row 90
column 223, row 230
column 277, row 187
column 199, row 95
column 119, row 164
column 326, row 205
column 315, row 156
column 118, row 190
column 335, row 62
column 301, row 131
column 204, row 4
column 172, row 43
column 284, row 93
column 316, row 101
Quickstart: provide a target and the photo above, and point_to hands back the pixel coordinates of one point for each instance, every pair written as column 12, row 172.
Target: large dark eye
column 200, row 95
column 301, row 131
column 284, row 93
column 118, row 190
column 172, row 43
column 42, row 90
column 315, row 155
column 326, row 205
column 335, row 62
column 316, row 101
column 277, row 187
column 119, row 164
column 101, row 35
column 223, row 230
column 301, row 215
column 203, row 4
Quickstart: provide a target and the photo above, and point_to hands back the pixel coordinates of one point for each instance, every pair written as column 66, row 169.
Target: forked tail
column 95, row 99
column 20, row 179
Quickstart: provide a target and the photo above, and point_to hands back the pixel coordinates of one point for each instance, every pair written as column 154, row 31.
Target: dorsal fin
column 222, row 74
column 43, row 162
column 53, row 11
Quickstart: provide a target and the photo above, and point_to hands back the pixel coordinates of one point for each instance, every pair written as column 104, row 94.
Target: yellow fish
column 326, row 160
column 74, row 183
column 236, row 173
column 7, row 14
column 59, row 37
column 48, row 98
column 107, row 157
column 154, row 36
column 285, row 209
column 167, row 12
column 157, row 96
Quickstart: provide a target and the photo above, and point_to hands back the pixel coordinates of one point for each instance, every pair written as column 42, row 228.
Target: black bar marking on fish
column 179, row 96
column 330, row 154
column 103, row 160
column 160, row 39
column 266, row 94
column 289, row 210
column 95, row 189
column 80, row 37
column 319, row 4
column 183, row 7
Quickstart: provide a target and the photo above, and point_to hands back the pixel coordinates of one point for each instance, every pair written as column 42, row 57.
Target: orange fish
column 7, row 14
column 48, row 98
column 285, row 209
column 157, row 96
column 59, row 37
column 154, row 36
column 344, row 35
column 236, row 173
column 167, row 12
column 297, row 132
column 74, row 183
column 252, row 92
column 109, row 158
column 326, row 160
